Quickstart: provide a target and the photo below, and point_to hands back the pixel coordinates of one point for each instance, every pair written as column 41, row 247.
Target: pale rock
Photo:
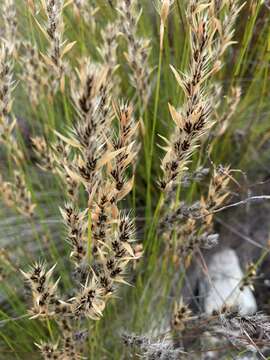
column 222, row 285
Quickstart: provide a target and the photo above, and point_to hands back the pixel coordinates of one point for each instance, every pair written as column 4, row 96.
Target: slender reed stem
column 149, row 168
column 151, row 238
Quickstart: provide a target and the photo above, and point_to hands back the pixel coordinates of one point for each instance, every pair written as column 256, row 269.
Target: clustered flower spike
column 53, row 29
column 153, row 348
column 14, row 193
column 138, row 49
column 10, row 30
column 194, row 119
column 98, row 155
column 43, row 289
column 181, row 314
column 86, row 12
column 34, row 73
column 193, row 225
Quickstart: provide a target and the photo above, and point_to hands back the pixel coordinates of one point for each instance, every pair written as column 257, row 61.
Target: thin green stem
column 151, row 237
column 149, row 168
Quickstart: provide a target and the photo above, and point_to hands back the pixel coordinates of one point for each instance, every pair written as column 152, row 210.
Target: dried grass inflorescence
column 138, row 49
column 224, row 108
column 163, row 9
column 248, row 332
column 91, row 97
column 53, row 159
column 15, row 194
column 249, row 277
column 43, row 289
column 21, row 196
column 7, row 85
column 53, row 29
column 181, row 314
column 44, row 154
column 209, row 37
column 34, row 73
column 108, row 50
column 244, row 332
column 83, row 9
column 10, row 31
column 68, row 347
column 187, row 228
column 98, row 155
column 153, row 348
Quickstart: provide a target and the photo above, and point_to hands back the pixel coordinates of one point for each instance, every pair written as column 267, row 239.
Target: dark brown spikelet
column 43, row 290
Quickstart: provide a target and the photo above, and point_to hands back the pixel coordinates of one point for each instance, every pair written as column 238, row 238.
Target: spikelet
column 163, row 9
column 43, row 290
column 225, row 25
column 249, row 277
column 91, row 96
column 224, row 108
column 6, row 192
column 68, row 348
column 76, row 227
column 54, row 159
column 181, row 314
column 43, row 153
column 49, row 351
column 22, row 196
column 65, row 349
column 89, row 302
column 126, row 140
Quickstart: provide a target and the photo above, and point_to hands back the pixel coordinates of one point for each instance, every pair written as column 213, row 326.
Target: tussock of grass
column 122, row 124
